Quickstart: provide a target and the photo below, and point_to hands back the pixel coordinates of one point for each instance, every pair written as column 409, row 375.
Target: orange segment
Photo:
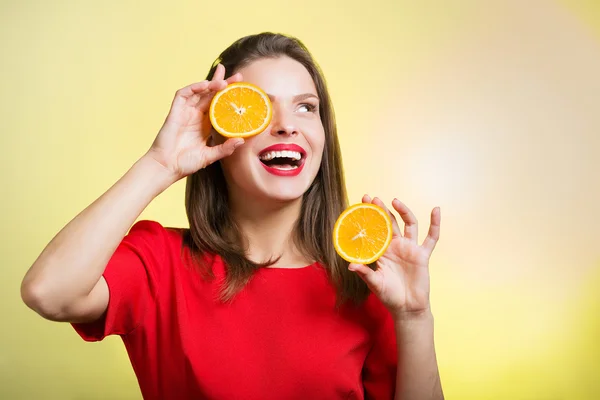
column 240, row 110
column 362, row 233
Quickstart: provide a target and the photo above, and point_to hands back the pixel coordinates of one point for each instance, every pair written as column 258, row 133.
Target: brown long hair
column 212, row 228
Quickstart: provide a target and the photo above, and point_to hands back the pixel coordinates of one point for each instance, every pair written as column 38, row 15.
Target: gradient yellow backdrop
column 490, row 109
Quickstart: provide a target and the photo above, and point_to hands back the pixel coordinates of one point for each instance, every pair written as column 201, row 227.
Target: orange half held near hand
column 240, row 110
column 362, row 233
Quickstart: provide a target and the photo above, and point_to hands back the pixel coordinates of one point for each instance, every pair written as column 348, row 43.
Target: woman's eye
column 305, row 107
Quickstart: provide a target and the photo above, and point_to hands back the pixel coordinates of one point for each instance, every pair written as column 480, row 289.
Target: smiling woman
column 252, row 301
column 296, row 122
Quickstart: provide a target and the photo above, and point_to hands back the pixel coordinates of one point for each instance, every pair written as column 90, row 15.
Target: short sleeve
column 133, row 277
column 379, row 370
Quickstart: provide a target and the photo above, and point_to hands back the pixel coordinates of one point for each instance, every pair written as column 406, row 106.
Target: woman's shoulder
column 153, row 231
column 161, row 249
column 152, row 240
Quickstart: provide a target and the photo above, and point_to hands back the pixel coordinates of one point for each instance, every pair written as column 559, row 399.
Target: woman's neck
column 268, row 228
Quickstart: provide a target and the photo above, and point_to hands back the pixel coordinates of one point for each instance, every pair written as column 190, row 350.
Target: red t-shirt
column 280, row 338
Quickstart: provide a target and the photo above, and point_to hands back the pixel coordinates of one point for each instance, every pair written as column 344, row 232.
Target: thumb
column 365, row 273
column 223, row 150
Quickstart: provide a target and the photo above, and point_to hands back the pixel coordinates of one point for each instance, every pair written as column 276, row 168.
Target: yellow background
column 490, row 109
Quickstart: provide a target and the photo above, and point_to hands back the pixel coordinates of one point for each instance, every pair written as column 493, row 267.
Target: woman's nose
column 282, row 123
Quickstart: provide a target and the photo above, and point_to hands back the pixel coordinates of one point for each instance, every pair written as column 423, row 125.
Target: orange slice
column 240, row 110
column 362, row 233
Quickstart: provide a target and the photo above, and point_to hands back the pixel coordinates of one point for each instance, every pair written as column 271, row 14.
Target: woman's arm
column 401, row 282
column 418, row 376
column 65, row 282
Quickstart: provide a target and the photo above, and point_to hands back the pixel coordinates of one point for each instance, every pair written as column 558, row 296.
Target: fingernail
column 238, row 143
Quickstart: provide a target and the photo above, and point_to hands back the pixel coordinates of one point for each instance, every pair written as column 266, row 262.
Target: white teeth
column 294, row 155
column 285, row 167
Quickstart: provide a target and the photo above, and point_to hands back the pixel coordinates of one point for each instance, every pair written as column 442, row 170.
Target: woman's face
column 281, row 162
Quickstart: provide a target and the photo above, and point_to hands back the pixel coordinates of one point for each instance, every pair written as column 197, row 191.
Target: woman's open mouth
column 283, row 160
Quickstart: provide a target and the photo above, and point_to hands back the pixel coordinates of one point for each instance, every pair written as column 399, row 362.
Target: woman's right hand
column 181, row 145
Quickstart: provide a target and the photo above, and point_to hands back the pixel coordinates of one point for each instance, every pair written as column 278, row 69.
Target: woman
column 252, row 301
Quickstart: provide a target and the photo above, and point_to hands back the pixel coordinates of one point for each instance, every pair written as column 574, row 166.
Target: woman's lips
column 294, row 171
column 295, row 153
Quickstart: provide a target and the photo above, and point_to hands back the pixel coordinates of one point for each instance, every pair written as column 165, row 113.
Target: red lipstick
column 285, row 147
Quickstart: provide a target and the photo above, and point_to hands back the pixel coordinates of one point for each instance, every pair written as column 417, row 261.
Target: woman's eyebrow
column 296, row 98
column 305, row 96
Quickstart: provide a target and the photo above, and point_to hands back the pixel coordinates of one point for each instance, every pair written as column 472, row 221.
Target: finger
column 237, row 77
column 366, row 274
column 199, row 91
column 218, row 80
column 199, row 87
column 205, row 99
column 395, row 228
column 434, row 230
column 217, row 86
column 219, row 74
column 366, row 198
column 411, row 226
column 223, row 150
column 185, row 93
column 214, row 87
column 190, row 90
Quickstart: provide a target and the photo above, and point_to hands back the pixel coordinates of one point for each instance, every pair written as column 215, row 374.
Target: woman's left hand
column 401, row 277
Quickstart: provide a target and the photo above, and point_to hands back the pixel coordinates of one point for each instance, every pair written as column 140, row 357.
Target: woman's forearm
column 418, row 376
column 72, row 263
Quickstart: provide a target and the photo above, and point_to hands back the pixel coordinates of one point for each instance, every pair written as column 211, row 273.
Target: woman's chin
column 284, row 195
column 287, row 190
column 262, row 186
